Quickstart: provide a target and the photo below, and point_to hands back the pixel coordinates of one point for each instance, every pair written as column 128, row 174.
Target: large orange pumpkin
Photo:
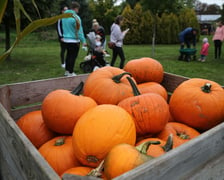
column 59, row 153
column 107, row 85
column 181, row 133
column 124, row 157
column 34, row 128
column 145, row 70
column 150, row 111
column 61, row 109
column 98, row 130
column 198, row 103
column 153, row 87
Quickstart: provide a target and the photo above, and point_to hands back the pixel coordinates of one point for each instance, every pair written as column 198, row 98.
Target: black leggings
column 218, row 48
column 118, row 51
column 72, row 53
column 62, row 53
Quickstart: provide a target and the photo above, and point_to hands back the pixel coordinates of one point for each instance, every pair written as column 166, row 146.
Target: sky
column 218, row 2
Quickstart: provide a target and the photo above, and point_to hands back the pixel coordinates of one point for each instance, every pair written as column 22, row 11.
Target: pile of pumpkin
column 122, row 119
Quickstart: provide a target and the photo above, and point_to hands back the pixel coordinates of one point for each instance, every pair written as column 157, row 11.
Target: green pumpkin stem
column 206, row 88
column 97, row 172
column 142, row 148
column 117, row 78
column 60, row 141
column 135, row 90
column 77, row 91
column 169, row 143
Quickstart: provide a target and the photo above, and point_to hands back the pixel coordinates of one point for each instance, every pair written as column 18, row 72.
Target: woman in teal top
column 72, row 36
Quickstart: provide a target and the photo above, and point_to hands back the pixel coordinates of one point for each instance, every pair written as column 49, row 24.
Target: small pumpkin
column 145, row 70
column 198, row 103
column 150, row 111
column 125, row 157
column 33, row 126
column 98, row 130
column 181, row 133
column 79, row 170
column 156, row 150
column 61, row 109
column 59, row 153
column 107, row 85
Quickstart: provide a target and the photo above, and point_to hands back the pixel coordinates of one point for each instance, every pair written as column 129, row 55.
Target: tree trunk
column 7, row 37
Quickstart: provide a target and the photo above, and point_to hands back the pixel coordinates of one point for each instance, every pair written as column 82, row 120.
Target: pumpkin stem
column 60, row 141
column 206, row 88
column 117, row 78
column 169, row 143
column 136, row 92
column 183, row 135
column 142, row 148
column 97, row 172
column 78, row 89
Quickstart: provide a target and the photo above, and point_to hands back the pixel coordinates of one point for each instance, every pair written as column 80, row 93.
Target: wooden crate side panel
column 35, row 91
column 182, row 161
column 171, row 81
column 21, row 159
column 5, row 97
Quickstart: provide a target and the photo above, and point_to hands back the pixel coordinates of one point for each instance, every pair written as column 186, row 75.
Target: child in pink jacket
column 204, row 49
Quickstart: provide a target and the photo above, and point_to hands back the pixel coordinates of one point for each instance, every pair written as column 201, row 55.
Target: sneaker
column 71, row 74
column 203, row 60
column 95, row 68
column 66, row 73
column 199, row 59
column 107, row 55
column 63, row 65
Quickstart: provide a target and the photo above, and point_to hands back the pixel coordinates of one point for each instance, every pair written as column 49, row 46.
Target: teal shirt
column 70, row 33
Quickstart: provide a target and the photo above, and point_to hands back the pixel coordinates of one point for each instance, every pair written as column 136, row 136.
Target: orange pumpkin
column 150, row 111
column 181, row 133
column 156, row 150
column 153, row 87
column 145, row 70
column 79, row 170
column 98, row 130
column 123, row 158
column 34, row 128
column 107, row 85
column 198, row 103
column 61, row 109
column 59, row 153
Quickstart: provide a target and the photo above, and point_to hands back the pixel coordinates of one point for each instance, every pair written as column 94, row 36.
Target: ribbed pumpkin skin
column 145, row 70
column 61, row 110
column 154, row 150
column 98, row 130
column 34, row 128
column 100, row 86
column 200, row 110
column 60, row 157
column 150, row 112
column 79, row 170
column 122, row 158
column 153, row 87
column 179, row 131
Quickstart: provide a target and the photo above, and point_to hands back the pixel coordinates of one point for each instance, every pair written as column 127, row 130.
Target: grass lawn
column 35, row 59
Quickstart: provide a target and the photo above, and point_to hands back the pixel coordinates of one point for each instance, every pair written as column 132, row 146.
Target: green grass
column 35, row 59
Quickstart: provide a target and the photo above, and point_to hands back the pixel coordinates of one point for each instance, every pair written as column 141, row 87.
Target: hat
column 94, row 20
column 205, row 40
column 98, row 36
column 96, row 24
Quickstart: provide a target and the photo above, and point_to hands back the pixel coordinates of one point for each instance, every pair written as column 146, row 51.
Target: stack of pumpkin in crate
column 121, row 120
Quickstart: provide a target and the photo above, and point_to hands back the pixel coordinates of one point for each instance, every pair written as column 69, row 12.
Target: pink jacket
column 204, row 49
column 219, row 33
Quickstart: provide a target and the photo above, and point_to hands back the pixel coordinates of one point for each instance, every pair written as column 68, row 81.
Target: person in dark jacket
column 187, row 37
column 60, row 38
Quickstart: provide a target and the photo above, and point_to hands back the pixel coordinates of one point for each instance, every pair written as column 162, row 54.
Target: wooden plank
column 183, row 160
column 171, row 81
column 19, row 158
column 5, row 97
column 35, row 91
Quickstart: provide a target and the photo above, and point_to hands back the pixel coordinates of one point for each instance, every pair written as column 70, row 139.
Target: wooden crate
column 200, row 158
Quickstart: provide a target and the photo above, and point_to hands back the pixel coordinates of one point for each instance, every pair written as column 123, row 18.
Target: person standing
column 72, row 36
column 218, row 37
column 204, row 50
column 117, row 37
column 60, row 38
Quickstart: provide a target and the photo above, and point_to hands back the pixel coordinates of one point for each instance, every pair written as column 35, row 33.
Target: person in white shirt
column 117, row 37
